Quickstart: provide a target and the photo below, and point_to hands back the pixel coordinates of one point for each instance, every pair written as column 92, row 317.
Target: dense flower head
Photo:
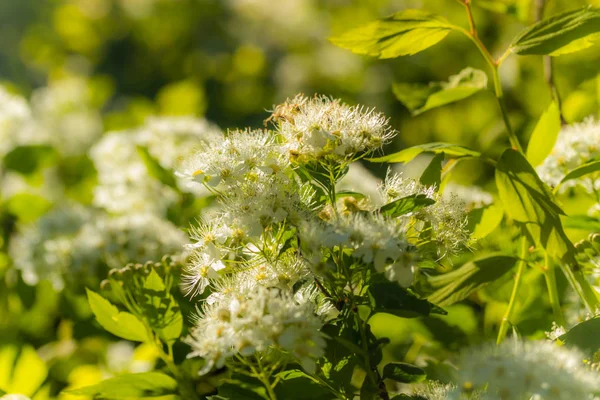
column 319, row 127
column 254, row 322
column 522, row 370
column 576, row 144
column 243, row 155
column 444, row 222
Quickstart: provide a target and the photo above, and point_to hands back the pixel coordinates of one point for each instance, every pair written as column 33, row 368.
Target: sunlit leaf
column 583, row 170
column 146, row 385
column 527, row 200
column 583, row 222
column 544, row 135
column 21, row 371
column 484, row 220
column 404, row 33
column 403, row 373
column 119, row 323
column 585, row 336
column 388, row 297
column 419, row 98
column 432, row 175
column 406, row 155
column 405, row 205
column 457, row 285
column 559, row 34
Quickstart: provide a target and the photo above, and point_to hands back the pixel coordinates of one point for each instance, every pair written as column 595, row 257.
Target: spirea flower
column 444, row 222
column 255, row 322
column 523, row 370
column 243, row 155
column 319, row 127
column 576, row 144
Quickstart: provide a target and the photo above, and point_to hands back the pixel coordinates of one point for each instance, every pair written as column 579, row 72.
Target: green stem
column 494, row 67
column 550, row 275
column 264, row 378
column 508, row 315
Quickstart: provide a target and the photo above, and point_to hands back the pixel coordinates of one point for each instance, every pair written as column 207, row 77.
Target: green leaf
column 388, row 297
column 583, row 222
column 544, row 135
column 243, row 387
column 588, row 168
column 419, row 98
column 339, row 361
column 432, row 176
column 160, row 309
column 28, row 159
column 406, row 155
column 404, row 33
column 144, row 385
column 21, row 371
column 119, row 323
column 484, row 220
column 457, row 285
column 559, row 34
column 403, row 373
column 585, row 336
column 527, row 200
column 296, row 385
column 406, row 205
column 155, row 169
column 27, row 207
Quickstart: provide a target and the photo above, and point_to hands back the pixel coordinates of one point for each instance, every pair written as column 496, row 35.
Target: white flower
column 313, row 128
column 520, row 370
column 248, row 155
column 257, row 321
column 576, row 144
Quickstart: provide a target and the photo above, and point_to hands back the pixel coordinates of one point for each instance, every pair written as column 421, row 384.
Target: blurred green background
column 232, row 59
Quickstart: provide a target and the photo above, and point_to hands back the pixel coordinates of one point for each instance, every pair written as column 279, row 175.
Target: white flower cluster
column 444, row 222
column 240, row 251
column 439, row 391
column 124, row 182
column 576, row 144
column 523, row 370
column 320, row 127
column 74, row 241
column 256, row 321
column 373, row 239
